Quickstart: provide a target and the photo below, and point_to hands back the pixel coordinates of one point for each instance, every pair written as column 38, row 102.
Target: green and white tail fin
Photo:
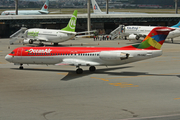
column 72, row 23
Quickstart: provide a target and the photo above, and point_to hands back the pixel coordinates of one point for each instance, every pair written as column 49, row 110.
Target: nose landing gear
column 21, row 66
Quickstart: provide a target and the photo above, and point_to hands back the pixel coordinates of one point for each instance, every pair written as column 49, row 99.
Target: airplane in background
column 97, row 10
column 92, row 56
column 50, row 35
column 44, row 10
column 135, row 32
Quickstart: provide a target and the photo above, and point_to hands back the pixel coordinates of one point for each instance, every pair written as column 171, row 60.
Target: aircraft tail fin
column 72, row 23
column 45, row 6
column 155, row 39
column 95, row 7
column 177, row 25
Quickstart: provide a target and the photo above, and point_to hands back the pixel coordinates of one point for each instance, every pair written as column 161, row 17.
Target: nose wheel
column 21, row 66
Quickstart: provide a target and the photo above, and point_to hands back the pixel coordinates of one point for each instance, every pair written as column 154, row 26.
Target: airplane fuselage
column 92, row 56
column 24, row 12
column 84, row 56
column 48, row 35
column 143, row 31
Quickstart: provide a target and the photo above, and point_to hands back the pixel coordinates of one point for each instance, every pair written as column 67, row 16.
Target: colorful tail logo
column 155, row 38
column 45, row 6
column 95, row 7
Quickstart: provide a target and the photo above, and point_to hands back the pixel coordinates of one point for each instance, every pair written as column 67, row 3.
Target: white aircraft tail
column 45, row 7
column 95, row 7
column 17, row 35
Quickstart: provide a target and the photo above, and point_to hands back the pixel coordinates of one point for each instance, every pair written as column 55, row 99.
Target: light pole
column 16, row 6
column 88, row 19
column 176, row 6
column 107, row 7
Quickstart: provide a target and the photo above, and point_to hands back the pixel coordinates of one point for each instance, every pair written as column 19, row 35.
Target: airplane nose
column 8, row 58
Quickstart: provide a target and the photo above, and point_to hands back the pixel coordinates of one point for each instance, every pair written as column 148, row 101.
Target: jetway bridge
column 107, row 22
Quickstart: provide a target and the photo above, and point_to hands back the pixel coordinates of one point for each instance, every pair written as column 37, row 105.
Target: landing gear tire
column 55, row 44
column 137, row 37
column 30, row 41
column 79, row 71
column 41, row 44
column 92, row 68
column 172, row 40
column 125, row 38
column 21, row 66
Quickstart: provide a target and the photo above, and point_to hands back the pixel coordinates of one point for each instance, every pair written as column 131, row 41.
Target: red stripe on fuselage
column 23, row 51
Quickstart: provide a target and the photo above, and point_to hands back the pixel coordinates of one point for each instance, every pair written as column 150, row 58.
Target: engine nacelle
column 108, row 55
column 133, row 37
column 28, row 41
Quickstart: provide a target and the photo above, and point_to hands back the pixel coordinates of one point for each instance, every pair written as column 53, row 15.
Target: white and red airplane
column 91, row 56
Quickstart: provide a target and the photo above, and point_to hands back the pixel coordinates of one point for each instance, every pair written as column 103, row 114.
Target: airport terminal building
column 106, row 22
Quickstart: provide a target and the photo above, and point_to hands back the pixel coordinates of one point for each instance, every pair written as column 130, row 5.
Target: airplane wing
column 142, row 34
column 42, row 39
column 77, row 62
column 86, row 32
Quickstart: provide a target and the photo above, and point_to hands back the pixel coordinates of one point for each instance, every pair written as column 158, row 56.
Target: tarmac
column 144, row 90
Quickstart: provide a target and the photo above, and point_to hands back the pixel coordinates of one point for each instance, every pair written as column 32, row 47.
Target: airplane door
column 19, row 53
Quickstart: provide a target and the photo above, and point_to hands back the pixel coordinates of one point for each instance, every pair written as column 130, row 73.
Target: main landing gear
column 92, row 68
column 80, row 70
column 21, row 66
column 55, row 44
column 172, row 40
column 41, row 44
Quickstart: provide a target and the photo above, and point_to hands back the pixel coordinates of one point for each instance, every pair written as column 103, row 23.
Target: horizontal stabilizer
column 43, row 12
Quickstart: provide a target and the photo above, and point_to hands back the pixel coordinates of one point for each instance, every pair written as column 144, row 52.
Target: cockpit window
column 12, row 52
